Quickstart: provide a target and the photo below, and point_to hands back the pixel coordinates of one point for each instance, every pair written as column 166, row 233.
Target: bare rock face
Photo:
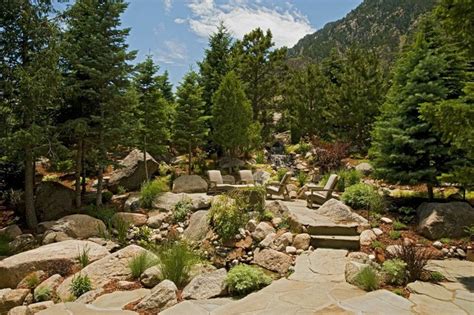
column 161, row 297
column 109, row 268
column 438, row 220
column 273, row 260
column 53, row 258
column 131, row 173
column 136, row 219
column 10, row 231
column 10, row 298
column 189, row 184
column 338, row 212
column 206, row 285
column 198, row 226
column 168, row 200
column 77, row 226
column 262, row 230
column 302, row 241
column 53, row 200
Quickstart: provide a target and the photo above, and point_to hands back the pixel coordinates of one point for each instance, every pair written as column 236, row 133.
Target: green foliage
column 80, row 284
column 302, row 178
column 190, row 122
column 226, row 217
column 394, row 235
column 469, row 230
column 244, row 279
column 104, row 214
column 377, row 244
column 415, row 259
column 181, row 210
column 143, row 235
column 405, row 149
column 281, row 172
column 4, row 245
column 406, row 214
column 367, row 279
column 267, row 216
column 397, row 225
column 83, row 257
column 42, row 294
column 445, row 240
column 121, row 190
column 347, row 178
column 436, row 276
column 176, row 259
column 150, row 190
column 50, row 178
column 141, row 262
column 231, row 132
column 359, row 196
column 249, row 199
column 107, row 196
column 260, row 158
column 121, row 227
column 398, row 291
column 395, row 269
column 32, row 280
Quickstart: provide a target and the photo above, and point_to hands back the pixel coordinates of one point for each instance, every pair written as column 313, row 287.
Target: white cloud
column 180, row 21
column 173, row 52
column 240, row 17
column 168, row 5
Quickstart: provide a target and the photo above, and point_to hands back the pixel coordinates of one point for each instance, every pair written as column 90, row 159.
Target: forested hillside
column 381, row 25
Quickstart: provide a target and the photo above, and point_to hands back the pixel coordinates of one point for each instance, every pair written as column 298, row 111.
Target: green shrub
column 303, row 148
column 4, row 245
column 83, row 257
column 367, row 279
column 104, row 214
column 249, row 198
column 140, row 263
column 397, row 225
column 260, row 158
column 121, row 226
column 377, row 244
column 469, row 230
column 226, row 217
column 406, row 214
column 50, row 178
column 107, row 196
column 394, row 235
column 377, row 203
column 181, row 210
column 395, row 269
column 80, row 284
column 436, row 276
column 281, row 172
column 42, row 294
column 63, row 166
column 143, row 235
column 244, row 279
column 176, row 259
column 445, row 240
column 346, row 179
column 359, row 196
column 32, row 280
column 398, row 291
column 266, row 216
column 121, row 190
column 151, row 189
column 302, row 178
column 415, row 258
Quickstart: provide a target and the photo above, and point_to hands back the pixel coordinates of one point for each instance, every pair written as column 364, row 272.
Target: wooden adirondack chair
column 279, row 188
column 319, row 195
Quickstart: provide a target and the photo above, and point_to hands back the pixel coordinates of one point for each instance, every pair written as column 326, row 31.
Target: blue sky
column 175, row 32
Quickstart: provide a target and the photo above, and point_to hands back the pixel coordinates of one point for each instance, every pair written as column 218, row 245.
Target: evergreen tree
column 96, row 72
column 262, row 69
column 232, row 115
column 190, row 123
column 405, row 148
column 152, row 111
column 166, row 87
column 215, row 65
column 30, row 77
column 307, row 102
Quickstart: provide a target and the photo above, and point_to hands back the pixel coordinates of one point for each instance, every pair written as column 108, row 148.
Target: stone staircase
column 337, row 236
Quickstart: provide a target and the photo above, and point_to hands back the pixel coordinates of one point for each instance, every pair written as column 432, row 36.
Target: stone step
column 333, row 229
column 336, row 241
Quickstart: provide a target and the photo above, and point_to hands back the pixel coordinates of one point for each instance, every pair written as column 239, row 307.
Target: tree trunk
column 102, row 156
column 144, row 158
column 84, row 174
column 430, row 191
column 30, row 212
column 77, row 186
column 190, row 159
column 100, row 178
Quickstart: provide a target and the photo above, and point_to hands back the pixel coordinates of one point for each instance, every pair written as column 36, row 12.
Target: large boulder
column 273, row 260
column 278, row 208
column 189, row 184
column 10, row 298
column 206, row 285
column 168, row 200
column 262, row 230
column 77, row 226
column 113, row 267
column 53, row 258
column 136, row 219
column 131, row 172
column 365, row 168
column 53, row 200
column 162, row 296
column 198, row 226
column 261, row 177
column 10, row 231
column 338, row 212
column 438, row 220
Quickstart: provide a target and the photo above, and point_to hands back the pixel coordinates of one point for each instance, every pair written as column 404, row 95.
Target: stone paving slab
column 72, row 308
column 379, row 302
column 427, row 305
column 118, row 299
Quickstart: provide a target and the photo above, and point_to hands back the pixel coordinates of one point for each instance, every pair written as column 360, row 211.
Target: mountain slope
column 379, row 24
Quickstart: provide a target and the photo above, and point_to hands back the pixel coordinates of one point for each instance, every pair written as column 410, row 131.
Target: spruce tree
column 96, row 70
column 190, row 123
column 30, row 78
column 405, row 148
column 166, row 87
column 151, row 112
column 215, row 65
column 231, row 115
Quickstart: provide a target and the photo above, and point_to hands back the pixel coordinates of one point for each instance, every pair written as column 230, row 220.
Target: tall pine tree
column 190, row 123
column 30, row 78
column 405, row 148
column 96, row 70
